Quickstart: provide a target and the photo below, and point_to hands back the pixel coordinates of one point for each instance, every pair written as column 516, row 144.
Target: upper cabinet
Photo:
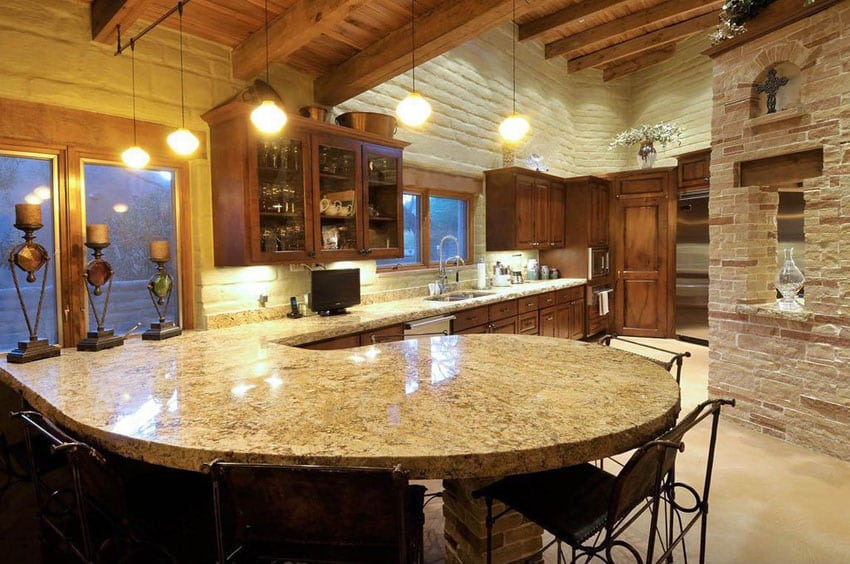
column 314, row 192
column 694, row 170
column 525, row 209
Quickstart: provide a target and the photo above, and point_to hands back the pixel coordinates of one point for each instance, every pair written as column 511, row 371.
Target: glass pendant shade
column 135, row 157
column 414, row 110
column 514, row 128
column 182, row 141
column 268, row 118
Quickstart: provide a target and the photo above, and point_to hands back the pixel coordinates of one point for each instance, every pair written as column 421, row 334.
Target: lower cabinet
column 548, row 322
column 527, row 323
column 344, row 342
column 507, row 326
column 478, row 329
column 383, row 335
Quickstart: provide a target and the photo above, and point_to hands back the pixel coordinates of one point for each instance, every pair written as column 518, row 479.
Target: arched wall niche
column 787, row 95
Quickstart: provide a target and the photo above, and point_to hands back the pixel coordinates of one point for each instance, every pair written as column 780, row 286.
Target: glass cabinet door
column 282, row 208
column 383, row 202
column 337, row 206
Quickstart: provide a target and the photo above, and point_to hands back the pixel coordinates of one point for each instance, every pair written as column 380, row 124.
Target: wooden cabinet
column 527, row 323
column 506, row 326
column 548, row 322
column 315, row 191
column 599, row 194
column 569, row 313
column 525, row 209
column 344, row 342
column 383, row 335
column 694, row 170
column 643, row 248
column 468, row 318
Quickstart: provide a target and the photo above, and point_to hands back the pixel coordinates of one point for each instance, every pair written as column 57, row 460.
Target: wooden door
column 541, row 214
column 557, row 215
column 577, row 319
column 598, row 228
column 642, row 264
column 524, row 213
column 563, row 320
column 548, row 324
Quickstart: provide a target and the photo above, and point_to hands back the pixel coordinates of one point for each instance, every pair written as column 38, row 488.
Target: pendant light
column 268, row 117
column 182, row 141
column 515, row 126
column 414, row 110
column 135, row 156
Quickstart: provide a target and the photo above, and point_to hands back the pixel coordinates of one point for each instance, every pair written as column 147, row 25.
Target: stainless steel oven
column 598, row 262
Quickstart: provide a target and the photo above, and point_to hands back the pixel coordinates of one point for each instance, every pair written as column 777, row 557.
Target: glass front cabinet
column 315, row 192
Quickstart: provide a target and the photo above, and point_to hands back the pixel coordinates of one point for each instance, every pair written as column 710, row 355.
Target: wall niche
column 787, row 95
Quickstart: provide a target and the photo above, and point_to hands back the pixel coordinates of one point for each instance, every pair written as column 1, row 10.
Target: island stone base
column 515, row 538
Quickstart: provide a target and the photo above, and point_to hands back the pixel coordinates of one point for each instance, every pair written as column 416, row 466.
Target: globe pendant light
column 268, row 117
column 515, row 126
column 414, row 110
column 135, row 156
column 182, row 141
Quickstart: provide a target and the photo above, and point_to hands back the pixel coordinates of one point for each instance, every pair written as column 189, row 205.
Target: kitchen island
column 460, row 408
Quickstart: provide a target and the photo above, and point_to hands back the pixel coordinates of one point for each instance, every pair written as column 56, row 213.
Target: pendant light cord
column 267, row 42
column 513, row 38
column 182, row 89
column 133, row 71
column 413, row 42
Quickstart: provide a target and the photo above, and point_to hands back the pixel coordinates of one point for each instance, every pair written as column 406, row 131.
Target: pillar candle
column 97, row 233
column 27, row 214
column 159, row 251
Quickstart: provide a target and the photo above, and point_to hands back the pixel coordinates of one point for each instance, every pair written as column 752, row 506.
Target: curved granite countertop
column 444, row 407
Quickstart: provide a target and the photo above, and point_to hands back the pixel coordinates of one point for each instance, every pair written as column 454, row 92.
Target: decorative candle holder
column 30, row 257
column 160, row 287
column 97, row 275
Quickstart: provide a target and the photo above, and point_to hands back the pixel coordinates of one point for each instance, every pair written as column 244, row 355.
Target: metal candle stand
column 30, row 257
column 160, row 287
column 99, row 273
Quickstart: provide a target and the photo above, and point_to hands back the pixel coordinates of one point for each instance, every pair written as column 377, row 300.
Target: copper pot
column 318, row 113
column 379, row 124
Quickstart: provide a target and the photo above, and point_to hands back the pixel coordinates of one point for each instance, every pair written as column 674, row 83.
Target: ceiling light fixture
column 515, row 126
column 182, row 141
column 268, row 117
column 135, row 156
column 414, row 110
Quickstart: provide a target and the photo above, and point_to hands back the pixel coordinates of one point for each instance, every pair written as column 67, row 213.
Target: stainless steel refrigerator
column 692, row 267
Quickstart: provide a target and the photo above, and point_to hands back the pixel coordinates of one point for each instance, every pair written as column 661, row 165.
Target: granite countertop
column 367, row 317
column 444, row 407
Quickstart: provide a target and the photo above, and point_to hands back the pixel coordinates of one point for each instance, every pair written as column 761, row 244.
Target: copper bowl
column 379, row 124
column 318, row 113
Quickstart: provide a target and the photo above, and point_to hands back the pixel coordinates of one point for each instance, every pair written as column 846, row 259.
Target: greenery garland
column 735, row 13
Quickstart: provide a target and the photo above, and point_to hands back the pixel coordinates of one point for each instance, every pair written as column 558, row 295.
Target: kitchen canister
column 554, row 274
column 544, row 272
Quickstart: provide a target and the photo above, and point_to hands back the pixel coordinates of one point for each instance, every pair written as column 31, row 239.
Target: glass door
column 337, row 207
column 383, row 202
column 281, row 213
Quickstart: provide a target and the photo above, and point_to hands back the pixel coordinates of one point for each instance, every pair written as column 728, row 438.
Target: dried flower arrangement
column 663, row 133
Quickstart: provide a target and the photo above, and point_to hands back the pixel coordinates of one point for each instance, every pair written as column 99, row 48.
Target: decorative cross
column 771, row 86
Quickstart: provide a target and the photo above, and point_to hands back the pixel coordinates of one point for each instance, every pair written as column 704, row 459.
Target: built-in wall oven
column 598, row 262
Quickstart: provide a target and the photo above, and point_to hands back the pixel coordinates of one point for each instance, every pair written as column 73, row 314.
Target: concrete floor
column 771, row 502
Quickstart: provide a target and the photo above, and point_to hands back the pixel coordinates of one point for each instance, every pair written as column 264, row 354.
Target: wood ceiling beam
column 643, row 43
column 106, row 15
column 445, row 27
column 646, row 59
column 606, row 31
column 289, row 31
column 564, row 17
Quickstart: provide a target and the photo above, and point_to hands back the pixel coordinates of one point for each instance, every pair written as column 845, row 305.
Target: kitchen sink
column 457, row 296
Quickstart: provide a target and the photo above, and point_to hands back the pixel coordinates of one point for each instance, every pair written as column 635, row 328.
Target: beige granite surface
column 443, row 407
column 376, row 314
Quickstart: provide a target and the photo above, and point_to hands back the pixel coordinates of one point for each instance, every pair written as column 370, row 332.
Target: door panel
column 641, row 310
column 525, row 212
column 640, row 244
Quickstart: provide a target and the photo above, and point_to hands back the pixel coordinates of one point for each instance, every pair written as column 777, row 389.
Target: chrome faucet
column 442, row 276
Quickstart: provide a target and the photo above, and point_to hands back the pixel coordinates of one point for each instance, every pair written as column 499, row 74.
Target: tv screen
column 331, row 291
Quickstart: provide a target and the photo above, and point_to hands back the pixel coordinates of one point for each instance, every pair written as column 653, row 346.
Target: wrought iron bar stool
column 676, row 359
column 590, row 509
column 267, row 512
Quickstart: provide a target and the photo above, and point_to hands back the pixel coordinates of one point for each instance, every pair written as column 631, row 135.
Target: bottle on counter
column 482, row 274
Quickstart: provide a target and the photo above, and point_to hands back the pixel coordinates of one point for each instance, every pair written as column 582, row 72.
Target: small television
column 331, row 291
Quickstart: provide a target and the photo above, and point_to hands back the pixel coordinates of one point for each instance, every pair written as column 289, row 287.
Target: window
column 138, row 206
column 27, row 178
column 428, row 217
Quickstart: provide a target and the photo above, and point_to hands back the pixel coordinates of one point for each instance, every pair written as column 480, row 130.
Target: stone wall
column 788, row 371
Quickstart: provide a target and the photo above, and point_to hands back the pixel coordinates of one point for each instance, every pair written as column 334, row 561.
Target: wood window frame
column 427, row 262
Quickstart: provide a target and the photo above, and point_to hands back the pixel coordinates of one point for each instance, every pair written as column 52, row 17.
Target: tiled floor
column 771, row 502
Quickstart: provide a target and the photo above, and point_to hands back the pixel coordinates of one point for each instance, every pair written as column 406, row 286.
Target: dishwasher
column 440, row 324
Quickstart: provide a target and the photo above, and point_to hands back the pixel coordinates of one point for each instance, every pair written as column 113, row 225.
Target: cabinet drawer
column 503, row 310
column 527, row 323
column 470, row 318
column 383, row 335
column 504, row 326
column 568, row 295
column 528, row 303
column 478, row 329
column 345, row 342
column 546, row 300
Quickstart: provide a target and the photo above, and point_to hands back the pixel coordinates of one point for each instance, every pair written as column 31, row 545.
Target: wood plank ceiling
column 349, row 46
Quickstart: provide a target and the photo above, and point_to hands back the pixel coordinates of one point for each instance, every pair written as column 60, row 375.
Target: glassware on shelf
column 788, row 281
